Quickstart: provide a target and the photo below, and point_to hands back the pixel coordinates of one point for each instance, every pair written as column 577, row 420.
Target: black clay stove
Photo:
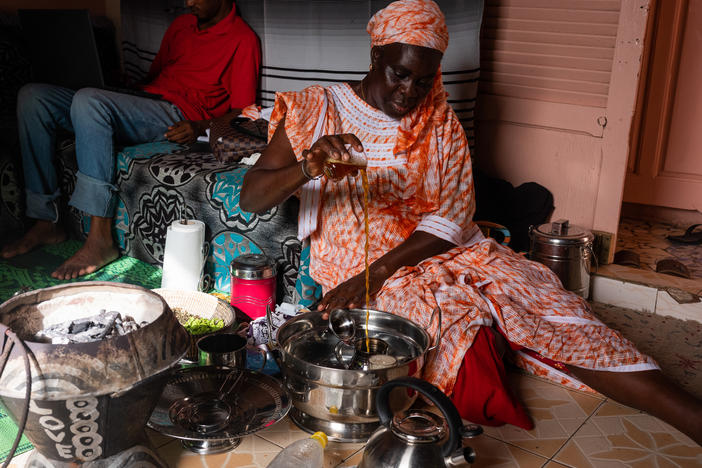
column 89, row 401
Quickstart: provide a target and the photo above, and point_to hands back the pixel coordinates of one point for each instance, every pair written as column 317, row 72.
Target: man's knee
column 31, row 98
column 87, row 102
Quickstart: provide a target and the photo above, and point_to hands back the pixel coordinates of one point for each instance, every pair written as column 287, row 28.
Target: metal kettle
column 413, row 438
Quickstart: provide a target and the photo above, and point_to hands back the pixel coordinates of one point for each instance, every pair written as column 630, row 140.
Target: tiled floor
column 584, row 430
column 648, row 239
column 255, row 450
column 675, row 344
column 573, row 429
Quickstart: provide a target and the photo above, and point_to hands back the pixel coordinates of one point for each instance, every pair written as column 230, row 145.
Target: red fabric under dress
column 482, row 394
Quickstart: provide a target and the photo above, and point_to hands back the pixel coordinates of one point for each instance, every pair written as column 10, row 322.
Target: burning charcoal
column 110, row 319
column 54, row 332
column 95, row 328
column 79, row 326
column 83, row 337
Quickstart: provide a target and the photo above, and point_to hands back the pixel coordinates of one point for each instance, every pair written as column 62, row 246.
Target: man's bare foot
column 42, row 233
column 95, row 254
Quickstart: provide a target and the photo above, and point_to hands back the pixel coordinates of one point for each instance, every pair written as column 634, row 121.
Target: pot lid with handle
column 418, row 426
column 561, row 232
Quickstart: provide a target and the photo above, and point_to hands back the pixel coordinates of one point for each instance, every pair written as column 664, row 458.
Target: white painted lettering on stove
column 49, row 423
column 84, row 415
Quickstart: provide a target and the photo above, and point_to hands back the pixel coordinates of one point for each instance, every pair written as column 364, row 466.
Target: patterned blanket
column 162, row 182
column 159, row 182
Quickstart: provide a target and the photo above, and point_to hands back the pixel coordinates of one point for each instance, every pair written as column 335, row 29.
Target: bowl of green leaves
column 201, row 314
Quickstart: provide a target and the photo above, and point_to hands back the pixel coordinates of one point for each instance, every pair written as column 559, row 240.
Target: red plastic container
column 253, row 284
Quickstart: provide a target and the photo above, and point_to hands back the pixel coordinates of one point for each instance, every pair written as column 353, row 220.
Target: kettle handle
column 434, row 395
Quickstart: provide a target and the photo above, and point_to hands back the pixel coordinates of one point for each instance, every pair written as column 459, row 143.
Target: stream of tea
column 366, row 190
column 336, row 169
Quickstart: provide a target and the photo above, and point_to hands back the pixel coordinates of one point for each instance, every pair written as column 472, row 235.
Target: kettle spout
column 460, row 457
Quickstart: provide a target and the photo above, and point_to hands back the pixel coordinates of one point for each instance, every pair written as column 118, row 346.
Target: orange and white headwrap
column 414, row 22
column 420, row 23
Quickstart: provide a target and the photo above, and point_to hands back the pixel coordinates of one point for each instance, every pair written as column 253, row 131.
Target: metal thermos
column 565, row 249
column 253, row 284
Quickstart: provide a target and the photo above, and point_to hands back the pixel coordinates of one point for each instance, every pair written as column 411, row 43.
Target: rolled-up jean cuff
column 93, row 196
column 42, row 206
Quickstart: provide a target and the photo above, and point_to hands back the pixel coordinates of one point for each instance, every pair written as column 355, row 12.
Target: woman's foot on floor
column 42, row 233
column 94, row 255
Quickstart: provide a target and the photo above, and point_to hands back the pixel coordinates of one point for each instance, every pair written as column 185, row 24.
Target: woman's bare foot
column 99, row 250
column 42, row 233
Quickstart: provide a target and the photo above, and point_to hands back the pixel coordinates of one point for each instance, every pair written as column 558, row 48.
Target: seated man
column 208, row 64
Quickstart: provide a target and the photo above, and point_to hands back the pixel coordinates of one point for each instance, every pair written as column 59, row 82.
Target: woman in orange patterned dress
column 424, row 247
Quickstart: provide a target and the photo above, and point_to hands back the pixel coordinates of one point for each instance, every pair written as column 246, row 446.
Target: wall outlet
column 603, row 246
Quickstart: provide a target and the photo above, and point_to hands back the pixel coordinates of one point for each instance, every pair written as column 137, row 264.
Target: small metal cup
column 374, row 346
column 361, row 358
column 226, row 349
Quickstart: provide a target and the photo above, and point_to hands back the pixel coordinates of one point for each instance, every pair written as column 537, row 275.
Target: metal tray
column 256, row 402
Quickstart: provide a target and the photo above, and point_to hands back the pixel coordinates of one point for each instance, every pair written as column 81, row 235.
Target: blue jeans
column 98, row 118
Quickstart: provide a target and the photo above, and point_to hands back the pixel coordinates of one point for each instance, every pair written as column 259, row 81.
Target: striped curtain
column 309, row 42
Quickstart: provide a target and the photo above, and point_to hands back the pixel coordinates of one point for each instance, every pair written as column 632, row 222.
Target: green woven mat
column 8, row 432
column 33, row 270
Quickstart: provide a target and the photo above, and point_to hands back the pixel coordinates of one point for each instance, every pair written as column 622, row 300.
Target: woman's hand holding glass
column 330, row 148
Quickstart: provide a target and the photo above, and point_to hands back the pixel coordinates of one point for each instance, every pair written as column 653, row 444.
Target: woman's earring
column 371, row 67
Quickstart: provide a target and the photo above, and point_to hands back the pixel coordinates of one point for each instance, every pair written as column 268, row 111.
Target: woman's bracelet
column 307, row 174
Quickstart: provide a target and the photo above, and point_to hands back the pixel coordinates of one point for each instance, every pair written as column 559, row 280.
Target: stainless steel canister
column 565, row 249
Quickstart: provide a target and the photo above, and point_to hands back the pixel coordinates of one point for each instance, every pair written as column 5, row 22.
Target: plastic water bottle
column 305, row 453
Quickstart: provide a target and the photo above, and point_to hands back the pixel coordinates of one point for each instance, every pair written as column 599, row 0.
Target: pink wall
column 685, row 139
column 578, row 152
column 566, row 163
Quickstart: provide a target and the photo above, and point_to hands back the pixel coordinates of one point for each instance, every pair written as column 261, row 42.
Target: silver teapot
column 413, row 438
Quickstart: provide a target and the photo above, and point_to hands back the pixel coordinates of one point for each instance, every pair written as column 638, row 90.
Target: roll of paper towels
column 184, row 255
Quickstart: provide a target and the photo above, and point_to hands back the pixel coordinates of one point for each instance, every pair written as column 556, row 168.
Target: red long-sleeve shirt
column 207, row 73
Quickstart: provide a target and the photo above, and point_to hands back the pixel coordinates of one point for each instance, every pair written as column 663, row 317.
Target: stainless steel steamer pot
column 338, row 401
